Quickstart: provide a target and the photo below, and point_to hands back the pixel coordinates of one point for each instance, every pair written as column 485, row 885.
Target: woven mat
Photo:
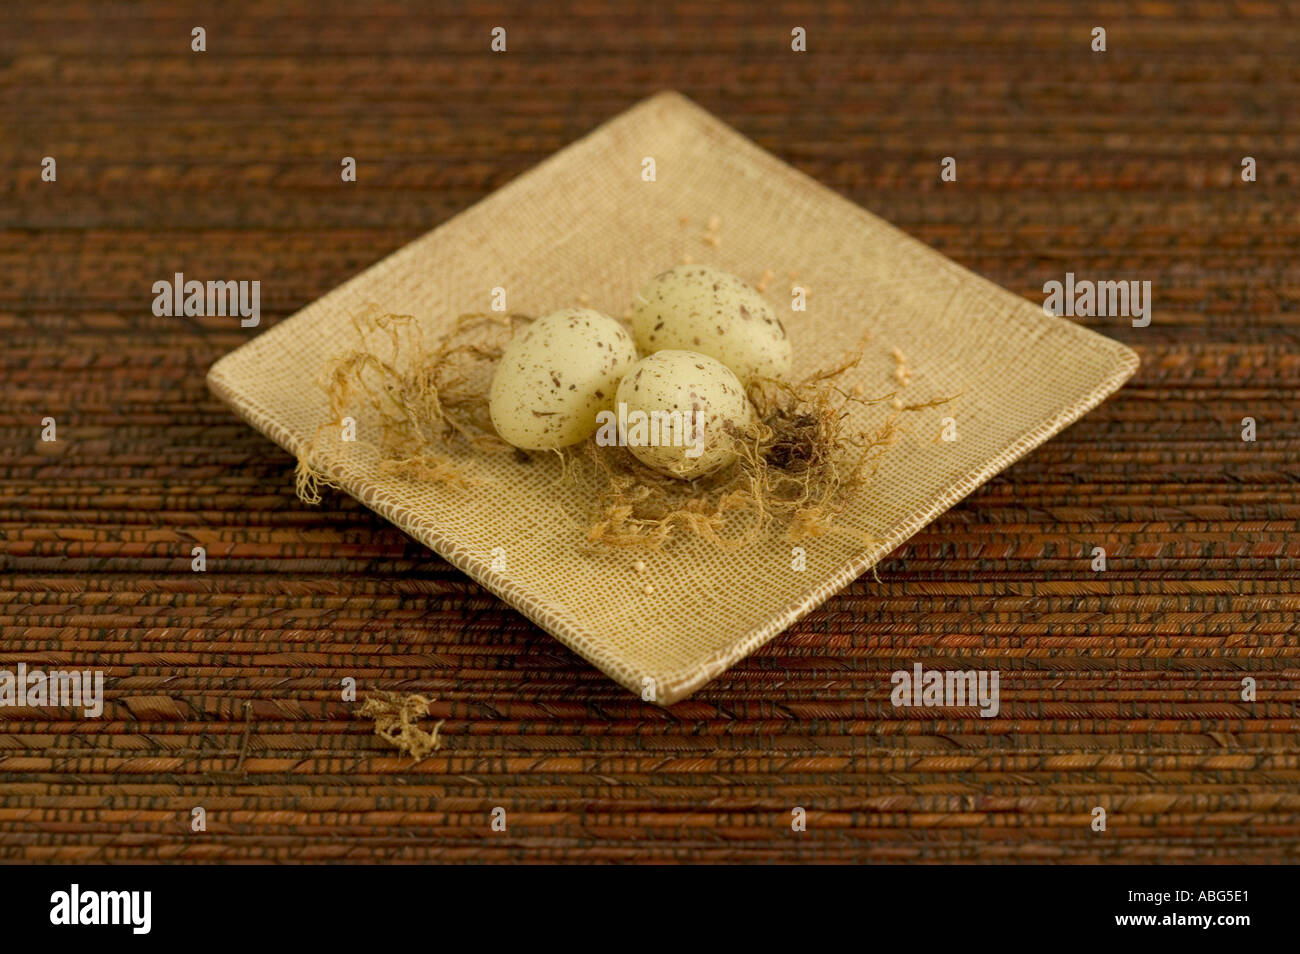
column 1120, row 689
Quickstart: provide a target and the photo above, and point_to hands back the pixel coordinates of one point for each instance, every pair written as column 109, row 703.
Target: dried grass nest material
column 426, row 402
column 396, row 718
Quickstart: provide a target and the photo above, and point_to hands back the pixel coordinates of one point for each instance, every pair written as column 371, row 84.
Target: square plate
column 586, row 222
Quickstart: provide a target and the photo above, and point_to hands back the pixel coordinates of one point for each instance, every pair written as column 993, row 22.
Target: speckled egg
column 674, row 408
column 695, row 308
column 556, row 376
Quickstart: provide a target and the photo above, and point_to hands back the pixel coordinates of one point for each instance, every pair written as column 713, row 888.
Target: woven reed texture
column 1120, row 689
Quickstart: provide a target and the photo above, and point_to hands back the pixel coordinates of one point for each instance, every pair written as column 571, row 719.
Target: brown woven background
column 1119, row 689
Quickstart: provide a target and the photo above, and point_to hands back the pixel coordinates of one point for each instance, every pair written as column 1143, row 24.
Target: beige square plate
column 586, row 222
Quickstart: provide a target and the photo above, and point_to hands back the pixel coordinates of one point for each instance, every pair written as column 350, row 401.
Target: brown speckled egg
column 695, row 308
column 686, row 386
column 556, row 376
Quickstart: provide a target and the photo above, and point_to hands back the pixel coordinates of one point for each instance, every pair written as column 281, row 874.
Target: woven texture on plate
column 586, row 222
